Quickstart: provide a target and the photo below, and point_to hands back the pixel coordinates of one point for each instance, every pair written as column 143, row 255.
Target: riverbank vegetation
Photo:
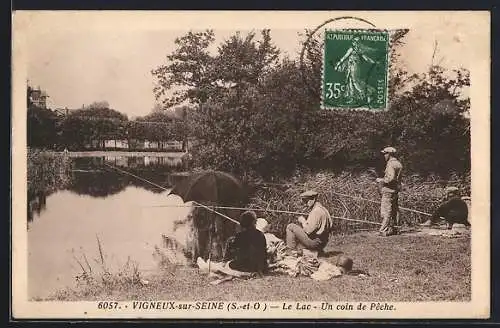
column 47, row 171
column 352, row 198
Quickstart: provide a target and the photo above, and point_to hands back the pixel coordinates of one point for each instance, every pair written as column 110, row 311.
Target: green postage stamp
column 355, row 69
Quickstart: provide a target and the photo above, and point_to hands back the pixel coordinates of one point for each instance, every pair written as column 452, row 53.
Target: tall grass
column 353, row 196
column 97, row 277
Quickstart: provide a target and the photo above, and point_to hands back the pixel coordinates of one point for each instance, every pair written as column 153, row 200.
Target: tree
column 224, row 128
column 263, row 116
column 41, row 127
column 41, row 124
column 188, row 71
column 158, row 126
column 83, row 127
column 242, row 61
column 430, row 121
column 103, row 104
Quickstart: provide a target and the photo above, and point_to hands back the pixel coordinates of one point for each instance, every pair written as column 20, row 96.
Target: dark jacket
column 249, row 249
column 454, row 210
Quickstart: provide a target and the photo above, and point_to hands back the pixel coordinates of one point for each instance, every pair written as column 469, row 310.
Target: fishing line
column 212, row 208
column 377, row 202
column 265, row 210
column 163, row 188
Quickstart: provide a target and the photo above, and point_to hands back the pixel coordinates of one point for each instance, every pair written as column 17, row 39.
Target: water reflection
column 37, row 202
column 126, row 213
column 128, row 224
column 95, row 176
column 98, row 184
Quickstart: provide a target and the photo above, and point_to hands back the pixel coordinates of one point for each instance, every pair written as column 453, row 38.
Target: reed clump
column 47, row 171
column 352, row 196
column 97, row 277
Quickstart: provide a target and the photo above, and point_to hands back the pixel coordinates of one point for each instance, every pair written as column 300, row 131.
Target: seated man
column 315, row 230
column 246, row 251
column 453, row 210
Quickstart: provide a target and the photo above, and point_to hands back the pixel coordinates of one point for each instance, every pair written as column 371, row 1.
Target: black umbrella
column 211, row 187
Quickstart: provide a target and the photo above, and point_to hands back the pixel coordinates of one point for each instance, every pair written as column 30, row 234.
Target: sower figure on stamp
column 356, row 88
column 315, row 230
column 391, row 185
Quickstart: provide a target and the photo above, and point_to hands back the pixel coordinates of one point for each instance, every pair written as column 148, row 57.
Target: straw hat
column 451, row 189
column 261, row 224
column 388, row 150
column 308, row 194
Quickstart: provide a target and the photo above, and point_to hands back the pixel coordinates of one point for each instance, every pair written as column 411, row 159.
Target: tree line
column 90, row 126
column 255, row 113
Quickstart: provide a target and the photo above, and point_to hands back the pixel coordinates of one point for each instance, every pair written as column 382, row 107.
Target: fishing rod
column 268, row 210
column 377, row 202
column 336, row 193
column 163, row 188
column 211, row 208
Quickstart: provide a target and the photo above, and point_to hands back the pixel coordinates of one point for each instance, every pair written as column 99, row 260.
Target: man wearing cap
column 315, row 230
column 453, row 210
column 391, row 185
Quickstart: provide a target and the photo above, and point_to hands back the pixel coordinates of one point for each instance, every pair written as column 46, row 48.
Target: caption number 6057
column 335, row 92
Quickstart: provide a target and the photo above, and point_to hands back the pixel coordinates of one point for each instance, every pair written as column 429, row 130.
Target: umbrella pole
column 210, row 245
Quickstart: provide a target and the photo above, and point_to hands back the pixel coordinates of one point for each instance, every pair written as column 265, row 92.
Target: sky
column 78, row 65
column 78, row 68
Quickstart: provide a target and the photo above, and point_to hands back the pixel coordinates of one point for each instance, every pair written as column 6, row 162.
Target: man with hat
column 390, row 187
column 314, row 231
column 453, row 210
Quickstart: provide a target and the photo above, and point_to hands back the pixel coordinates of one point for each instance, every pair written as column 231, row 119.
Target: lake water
column 126, row 215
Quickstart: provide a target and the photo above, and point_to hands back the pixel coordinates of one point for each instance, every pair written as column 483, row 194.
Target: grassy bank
column 407, row 267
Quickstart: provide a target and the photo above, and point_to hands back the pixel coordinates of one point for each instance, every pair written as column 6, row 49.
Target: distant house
column 63, row 111
column 151, row 144
column 172, row 145
column 115, row 144
column 38, row 97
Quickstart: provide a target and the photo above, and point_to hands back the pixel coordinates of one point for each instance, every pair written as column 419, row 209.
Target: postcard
column 251, row 164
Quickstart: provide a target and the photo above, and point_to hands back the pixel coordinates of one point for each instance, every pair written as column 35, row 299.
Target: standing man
column 314, row 231
column 391, row 185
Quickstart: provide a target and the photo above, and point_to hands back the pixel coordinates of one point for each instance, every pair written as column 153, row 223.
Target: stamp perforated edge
column 390, row 35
